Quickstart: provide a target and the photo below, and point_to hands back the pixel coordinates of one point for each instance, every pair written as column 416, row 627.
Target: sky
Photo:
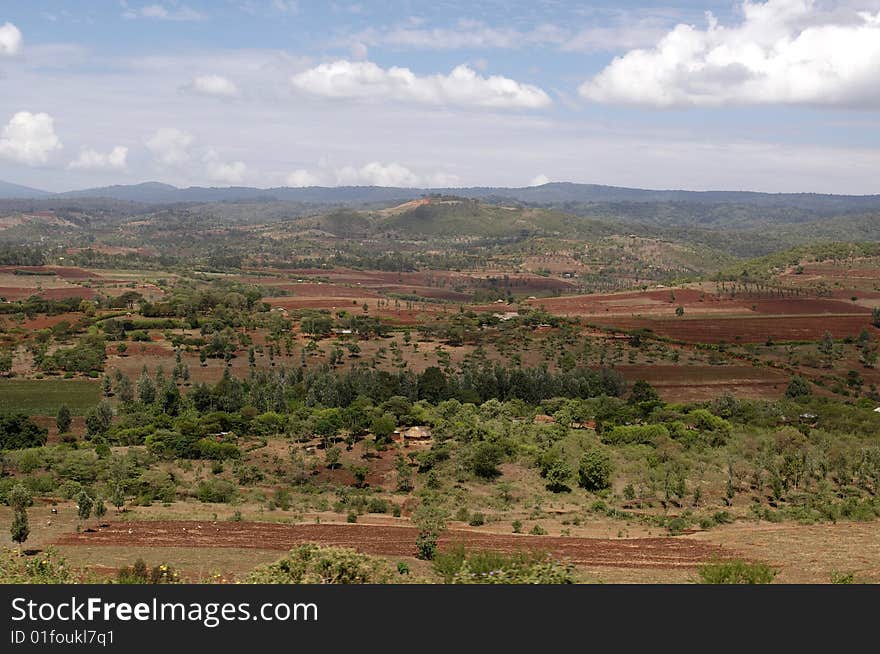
column 775, row 95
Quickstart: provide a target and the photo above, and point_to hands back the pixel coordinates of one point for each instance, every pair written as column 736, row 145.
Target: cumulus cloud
column 377, row 174
column 10, row 40
column 170, row 146
column 89, row 159
column 213, row 85
column 374, row 173
column 161, row 12
column 782, row 52
column 539, row 180
column 301, row 178
column 232, row 172
column 29, row 138
column 462, row 87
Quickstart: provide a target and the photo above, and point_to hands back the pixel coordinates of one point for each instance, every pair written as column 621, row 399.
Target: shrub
column 477, row 520
column 737, row 572
column 483, row 459
column 45, row 568
column 635, row 434
column 313, row 564
column 595, row 470
column 216, row 491
column 456, row 566
column 139, row 573
column 18, row 432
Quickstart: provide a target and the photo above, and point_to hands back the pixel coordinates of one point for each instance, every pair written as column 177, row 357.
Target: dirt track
column 396, row 541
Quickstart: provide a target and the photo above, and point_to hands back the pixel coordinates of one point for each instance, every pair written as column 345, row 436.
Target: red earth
column 383, row 540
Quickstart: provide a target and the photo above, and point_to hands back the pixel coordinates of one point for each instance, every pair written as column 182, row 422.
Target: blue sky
column 775, row 95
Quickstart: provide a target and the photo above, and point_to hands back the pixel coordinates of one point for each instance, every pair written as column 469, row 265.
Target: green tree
column 558, row 474
column 18, row 431
column 63, row 420
column 595, row 470
column 798, row 387
column 430, row 519
column 84, row 505
column 146, row 388
column 19, row 500
column 383, row 427
column 642, row 391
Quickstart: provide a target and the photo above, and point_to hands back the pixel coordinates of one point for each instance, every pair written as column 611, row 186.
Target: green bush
column 736, row 572
column 456, row 566
column 216, row 491
column 635, row 434
column 313, row 564
column 139, row 573
column 595, row 470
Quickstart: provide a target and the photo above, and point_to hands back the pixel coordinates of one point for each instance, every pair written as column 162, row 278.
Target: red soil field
column 396, row 541
column 61, row 293
column 65, row 272
column 745, row 329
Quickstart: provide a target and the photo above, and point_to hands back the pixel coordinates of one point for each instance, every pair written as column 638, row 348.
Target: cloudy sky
column 782, row 95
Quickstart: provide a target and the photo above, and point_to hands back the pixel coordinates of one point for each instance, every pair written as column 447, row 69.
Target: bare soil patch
column 396, row 541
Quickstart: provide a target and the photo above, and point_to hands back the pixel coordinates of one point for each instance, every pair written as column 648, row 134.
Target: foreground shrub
column 139, row 573
column 313, row 564
column 737, row 572
column 45, row 568
column 456, row 566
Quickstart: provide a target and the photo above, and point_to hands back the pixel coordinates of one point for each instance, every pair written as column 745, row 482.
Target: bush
column 18, row 432
column 737, row 572
column 483, row 459
column 139, row 573
column 45, row 568
column 313, row 564
column 595, row 470
column 456, row 566
column 477, row 520
column 216, row 491
column 635, row 434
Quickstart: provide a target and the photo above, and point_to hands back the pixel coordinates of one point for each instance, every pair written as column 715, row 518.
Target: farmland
column 439, row 376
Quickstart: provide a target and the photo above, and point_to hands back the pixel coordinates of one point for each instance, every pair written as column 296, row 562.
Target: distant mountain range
column 15, row 192
column 558, row 194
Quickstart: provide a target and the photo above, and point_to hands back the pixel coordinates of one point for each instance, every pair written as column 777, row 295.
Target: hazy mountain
column 14, row 191
column 556, row 194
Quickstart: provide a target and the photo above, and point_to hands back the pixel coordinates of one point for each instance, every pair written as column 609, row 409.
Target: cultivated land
column 633, row 402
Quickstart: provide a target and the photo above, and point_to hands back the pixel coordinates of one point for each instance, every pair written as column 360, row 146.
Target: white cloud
column 462, row 87
column 783, row 52
column 170, row 146
column 10, row 40
column 377, row 174
column 539, row 180
column 29, row 138
column 301, row 178
column 90, row 159
column 374, row 173
column 161, row 12
column 213, row 85
column 232, row 172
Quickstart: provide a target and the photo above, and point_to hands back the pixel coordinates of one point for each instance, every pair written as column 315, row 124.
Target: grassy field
column 45, row 396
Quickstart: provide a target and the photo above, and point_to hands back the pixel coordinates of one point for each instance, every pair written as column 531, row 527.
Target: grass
column 45, row 396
